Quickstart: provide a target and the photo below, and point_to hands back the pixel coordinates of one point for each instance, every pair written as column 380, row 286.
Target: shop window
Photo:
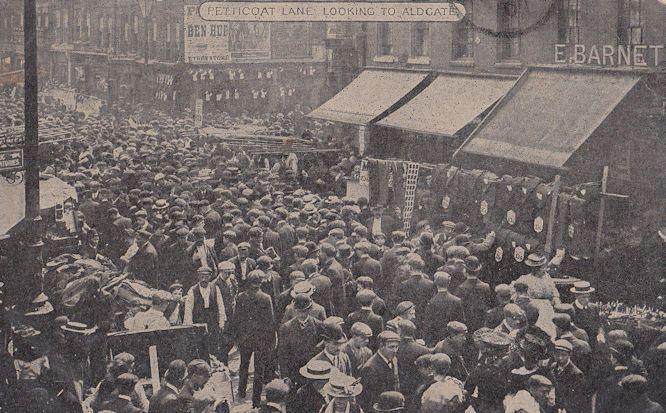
column 508, row 22
column 463, row 34
column 569, row 23
column 384, row 39
column 420, row 39
column 632, row 22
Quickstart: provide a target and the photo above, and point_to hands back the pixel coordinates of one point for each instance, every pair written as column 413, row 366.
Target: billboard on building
column 250, row 40
column 205, row 42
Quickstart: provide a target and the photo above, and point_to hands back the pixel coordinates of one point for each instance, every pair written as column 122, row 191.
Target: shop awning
column 449, row 103
column 368, row 96
column 549, row 114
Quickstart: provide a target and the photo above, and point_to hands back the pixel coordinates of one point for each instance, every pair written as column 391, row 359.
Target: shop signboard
column 250, row 40
column 11, row 160
column 206, row 42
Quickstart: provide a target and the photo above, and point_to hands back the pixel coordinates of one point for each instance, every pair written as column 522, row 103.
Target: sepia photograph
column 332, row 206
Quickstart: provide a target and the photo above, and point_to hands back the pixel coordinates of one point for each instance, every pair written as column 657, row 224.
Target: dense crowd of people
column 337, row 307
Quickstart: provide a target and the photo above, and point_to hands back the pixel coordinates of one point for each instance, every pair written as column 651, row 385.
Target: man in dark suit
column 408, row 351
column 243, row 264
column 455, row 346
column 380, row 373
column 178, row 261
column 366, row 265
column 495, row 315
column 322, row 294
column 298, row 339
column 334, row 338
column 380, row 223
column 441, row 309
column 417, row 288
column 144, row 263
column 121, row 402
column 254, row 326
column 357, row 347
column 367, row 316
column 166, row 399
column 475, row 294
column 570, row 381
column 331, row 268
column 315, row 310
column 310, row 396
column 212, row 219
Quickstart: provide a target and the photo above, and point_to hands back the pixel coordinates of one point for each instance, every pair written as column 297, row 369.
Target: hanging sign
column 11, row 160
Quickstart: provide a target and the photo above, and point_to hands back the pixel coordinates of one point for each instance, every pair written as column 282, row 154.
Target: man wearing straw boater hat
column 586, row 314
column 311, row 397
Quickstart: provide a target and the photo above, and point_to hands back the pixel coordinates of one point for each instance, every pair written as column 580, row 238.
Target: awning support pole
column 551, row 215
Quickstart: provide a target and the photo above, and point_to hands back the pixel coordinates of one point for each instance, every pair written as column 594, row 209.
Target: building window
column 508, row 22
column 632, row 21
column 569, row 24
column 384, row 39
column 98, row 39
column 463, row 35
column 420, row 39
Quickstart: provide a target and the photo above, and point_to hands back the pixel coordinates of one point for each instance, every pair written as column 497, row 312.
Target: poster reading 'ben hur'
column 332, row 206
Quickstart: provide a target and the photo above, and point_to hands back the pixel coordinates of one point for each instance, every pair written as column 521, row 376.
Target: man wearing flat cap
column 380, row 373
column 204, row 304
column 366, row 315
column 243, row 264
column 570, row 385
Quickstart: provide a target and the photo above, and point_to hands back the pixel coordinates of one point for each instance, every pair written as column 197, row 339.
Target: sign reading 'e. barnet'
column 331, row 11
column 608, row 55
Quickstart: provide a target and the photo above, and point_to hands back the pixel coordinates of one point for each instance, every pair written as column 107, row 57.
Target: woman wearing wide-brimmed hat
column 541, row 289
column 342, row 391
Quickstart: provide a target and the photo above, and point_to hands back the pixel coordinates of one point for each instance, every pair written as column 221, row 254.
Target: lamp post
column 32, row 241
column 145, row 6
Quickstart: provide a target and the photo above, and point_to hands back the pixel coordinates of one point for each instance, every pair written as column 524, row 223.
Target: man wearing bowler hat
column 334, row 338
column 298, row 339
column 474, row 294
